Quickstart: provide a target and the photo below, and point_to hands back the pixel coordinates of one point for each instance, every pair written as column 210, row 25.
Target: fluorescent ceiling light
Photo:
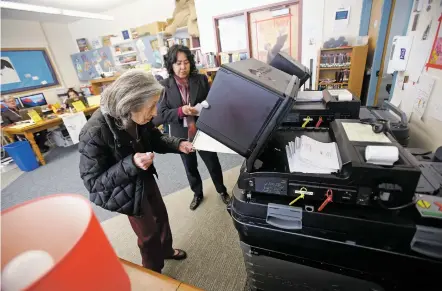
column 29, row 7
column 52, row 10
column 86, row 14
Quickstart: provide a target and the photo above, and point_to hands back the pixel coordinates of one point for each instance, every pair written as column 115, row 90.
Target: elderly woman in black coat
column 117, row 148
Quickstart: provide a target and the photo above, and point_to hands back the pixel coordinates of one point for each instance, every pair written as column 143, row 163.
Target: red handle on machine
column 329, row 198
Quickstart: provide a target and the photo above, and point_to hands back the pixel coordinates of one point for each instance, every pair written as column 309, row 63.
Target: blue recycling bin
column 23, row 155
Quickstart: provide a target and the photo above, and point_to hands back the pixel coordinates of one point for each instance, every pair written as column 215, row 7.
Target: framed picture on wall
column 25, row 70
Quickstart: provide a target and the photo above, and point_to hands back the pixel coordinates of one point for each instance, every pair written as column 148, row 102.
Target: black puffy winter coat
column 106, row 162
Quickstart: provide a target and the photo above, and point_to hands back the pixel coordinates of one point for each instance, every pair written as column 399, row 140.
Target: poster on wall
column 26, row 69
column 435, row 60
column 273, row 37
column 8, row 73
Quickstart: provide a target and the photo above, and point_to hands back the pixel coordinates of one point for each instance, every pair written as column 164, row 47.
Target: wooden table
column 142, row 279
column 29, row 131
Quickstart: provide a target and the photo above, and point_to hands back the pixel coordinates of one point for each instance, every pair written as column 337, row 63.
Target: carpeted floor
column 215, row 261
column 61, row 175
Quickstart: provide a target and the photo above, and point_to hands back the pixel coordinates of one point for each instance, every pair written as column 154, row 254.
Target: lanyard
column 18, row 115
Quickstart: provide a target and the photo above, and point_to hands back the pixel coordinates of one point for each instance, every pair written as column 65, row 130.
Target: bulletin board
column 25, row 70
column 91, row 64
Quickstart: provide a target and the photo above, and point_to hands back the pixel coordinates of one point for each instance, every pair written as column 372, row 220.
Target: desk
column 143, row 279
column 29, row 131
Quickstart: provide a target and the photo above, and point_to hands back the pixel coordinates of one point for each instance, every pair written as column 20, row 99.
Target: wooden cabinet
column 355, row 69
column 98, row 84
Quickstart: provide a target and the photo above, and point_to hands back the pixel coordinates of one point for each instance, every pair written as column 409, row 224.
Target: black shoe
column 225, row 197
column 196, row 202
column 178, row 257
column 44, row 149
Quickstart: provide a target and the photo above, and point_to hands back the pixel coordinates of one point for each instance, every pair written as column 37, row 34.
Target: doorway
column 377, row 15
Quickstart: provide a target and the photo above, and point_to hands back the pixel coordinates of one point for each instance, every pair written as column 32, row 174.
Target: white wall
column 126, row 16
column 425, row 133
column 27, row 34
column 330, row 8
column 62, row 46
column 312, row 33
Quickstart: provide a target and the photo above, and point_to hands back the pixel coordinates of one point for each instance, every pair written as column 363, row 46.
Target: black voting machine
column 363, row 239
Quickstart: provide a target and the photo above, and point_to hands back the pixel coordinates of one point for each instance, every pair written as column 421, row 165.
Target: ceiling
column 93, row 6
column 35, row 16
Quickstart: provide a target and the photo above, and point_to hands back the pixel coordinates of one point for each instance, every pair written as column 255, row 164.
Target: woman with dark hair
column 184, row 89
column 72, row 93
column 72, row 97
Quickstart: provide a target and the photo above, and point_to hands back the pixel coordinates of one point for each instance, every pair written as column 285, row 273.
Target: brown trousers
column 153, row 229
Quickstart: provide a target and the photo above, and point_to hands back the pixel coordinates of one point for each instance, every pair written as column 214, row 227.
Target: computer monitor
column 18, row 103
column 3, row 106
column 33, row 100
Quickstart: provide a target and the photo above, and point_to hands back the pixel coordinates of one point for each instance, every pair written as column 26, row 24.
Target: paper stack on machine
column 307, row 155
column 342, row 94
column 381, row 155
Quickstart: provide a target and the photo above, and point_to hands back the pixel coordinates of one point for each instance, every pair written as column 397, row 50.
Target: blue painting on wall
column 26, row 69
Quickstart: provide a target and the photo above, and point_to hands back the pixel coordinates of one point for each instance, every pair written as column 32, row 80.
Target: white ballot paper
column 74, row 123
column 203, row 142
column 307, row 155
column 198, row 107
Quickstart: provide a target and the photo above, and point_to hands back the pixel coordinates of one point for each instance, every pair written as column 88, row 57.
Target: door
column 373, row 30
column 378, row 32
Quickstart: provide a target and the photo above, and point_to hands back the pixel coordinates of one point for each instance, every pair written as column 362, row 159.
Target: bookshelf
column 332, row 61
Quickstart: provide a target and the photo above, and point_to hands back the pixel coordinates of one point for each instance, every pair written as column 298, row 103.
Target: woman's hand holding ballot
column 186, row 147
column 143, row 160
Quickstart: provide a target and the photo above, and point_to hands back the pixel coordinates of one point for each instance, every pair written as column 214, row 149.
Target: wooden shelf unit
column 334, row 68
column 357, row 68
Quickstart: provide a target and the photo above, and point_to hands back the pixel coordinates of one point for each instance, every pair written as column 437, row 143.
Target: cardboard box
column 151, row 28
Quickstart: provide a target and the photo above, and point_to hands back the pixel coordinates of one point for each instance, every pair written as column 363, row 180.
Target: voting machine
column 346, row 228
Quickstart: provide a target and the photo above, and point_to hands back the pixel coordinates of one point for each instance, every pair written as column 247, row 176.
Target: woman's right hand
column 189, row 110
column 143, row 160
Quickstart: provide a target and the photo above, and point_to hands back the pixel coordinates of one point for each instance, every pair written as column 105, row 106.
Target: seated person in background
column 72, row 97
column 11, row 115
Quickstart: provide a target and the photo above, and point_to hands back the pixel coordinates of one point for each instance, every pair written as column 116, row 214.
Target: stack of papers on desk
column 307, row 155
column 23, row 124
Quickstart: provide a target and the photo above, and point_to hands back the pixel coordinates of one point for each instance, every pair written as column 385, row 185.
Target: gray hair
column 8, row 98
column 128, row 94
